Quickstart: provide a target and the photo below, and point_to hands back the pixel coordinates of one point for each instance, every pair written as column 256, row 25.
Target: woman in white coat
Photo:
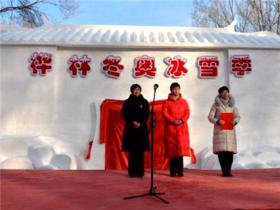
column 224, row 138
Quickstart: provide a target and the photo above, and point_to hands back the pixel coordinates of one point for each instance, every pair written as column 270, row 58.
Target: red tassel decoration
column 89, row 150
column 193, row 157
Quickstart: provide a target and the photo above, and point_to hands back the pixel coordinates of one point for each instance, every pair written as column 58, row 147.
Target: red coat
column 176, row 137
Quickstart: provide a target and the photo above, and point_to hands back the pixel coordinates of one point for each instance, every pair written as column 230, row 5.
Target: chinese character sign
column 144, row 66
column 175, row 67
column 40, row 63
column 208, row 66
column 79, row 65
column 112, row 67
column 240, row 65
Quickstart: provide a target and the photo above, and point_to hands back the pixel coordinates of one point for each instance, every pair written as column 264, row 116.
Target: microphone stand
column 152, row 190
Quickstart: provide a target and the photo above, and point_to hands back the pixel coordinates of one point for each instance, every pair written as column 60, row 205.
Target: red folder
column 228, row 118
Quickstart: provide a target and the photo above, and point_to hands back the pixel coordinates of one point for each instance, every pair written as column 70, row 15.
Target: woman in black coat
column 135, row 112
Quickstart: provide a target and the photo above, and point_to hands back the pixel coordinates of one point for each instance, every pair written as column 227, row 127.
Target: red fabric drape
column 111, row 132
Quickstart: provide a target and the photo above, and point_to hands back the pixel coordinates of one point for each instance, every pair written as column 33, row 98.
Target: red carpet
column 103, row 190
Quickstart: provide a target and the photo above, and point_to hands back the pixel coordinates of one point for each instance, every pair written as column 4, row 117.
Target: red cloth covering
column 111, row 132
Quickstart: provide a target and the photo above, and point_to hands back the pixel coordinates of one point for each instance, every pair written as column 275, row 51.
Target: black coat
column 135, row 109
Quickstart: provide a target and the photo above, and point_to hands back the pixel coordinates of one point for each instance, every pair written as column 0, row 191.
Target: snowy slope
column 40, row 152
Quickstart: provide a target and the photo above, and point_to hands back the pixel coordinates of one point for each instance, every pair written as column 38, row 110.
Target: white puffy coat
column 223, row 140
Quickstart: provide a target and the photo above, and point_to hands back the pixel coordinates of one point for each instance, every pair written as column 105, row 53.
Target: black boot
column 225, row 159
column 229, row 160
column 180, row 166
column 131, row 165
column 140, row 167
column 172, row 167
column 222, row 160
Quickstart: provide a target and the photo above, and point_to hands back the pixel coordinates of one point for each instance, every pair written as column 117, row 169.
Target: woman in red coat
column 176, row 134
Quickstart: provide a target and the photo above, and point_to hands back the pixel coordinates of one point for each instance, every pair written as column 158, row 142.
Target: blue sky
column 133, row 12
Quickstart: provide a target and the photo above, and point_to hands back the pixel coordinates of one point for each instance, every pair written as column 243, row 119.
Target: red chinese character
column 40, row 63
column 79, row 65
column 208, row 66
column 176, row 66
column 241, row 64
column 112, row 67
column 144, row 66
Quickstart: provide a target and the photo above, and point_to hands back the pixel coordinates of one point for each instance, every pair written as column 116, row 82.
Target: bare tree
column 251, row 15
column 30, row 12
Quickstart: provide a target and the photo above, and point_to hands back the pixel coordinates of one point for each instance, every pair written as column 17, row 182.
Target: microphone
column 155, row 86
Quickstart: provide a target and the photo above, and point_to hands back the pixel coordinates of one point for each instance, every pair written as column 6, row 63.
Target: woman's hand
column 177, row 122
column 221, row 122
column 136, row 124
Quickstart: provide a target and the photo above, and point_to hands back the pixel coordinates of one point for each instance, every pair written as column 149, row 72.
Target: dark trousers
column 176, row 166
column 225, row 159
column 136, row 164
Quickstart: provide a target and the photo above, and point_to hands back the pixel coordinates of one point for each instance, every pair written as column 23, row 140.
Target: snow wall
column 46, row 122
